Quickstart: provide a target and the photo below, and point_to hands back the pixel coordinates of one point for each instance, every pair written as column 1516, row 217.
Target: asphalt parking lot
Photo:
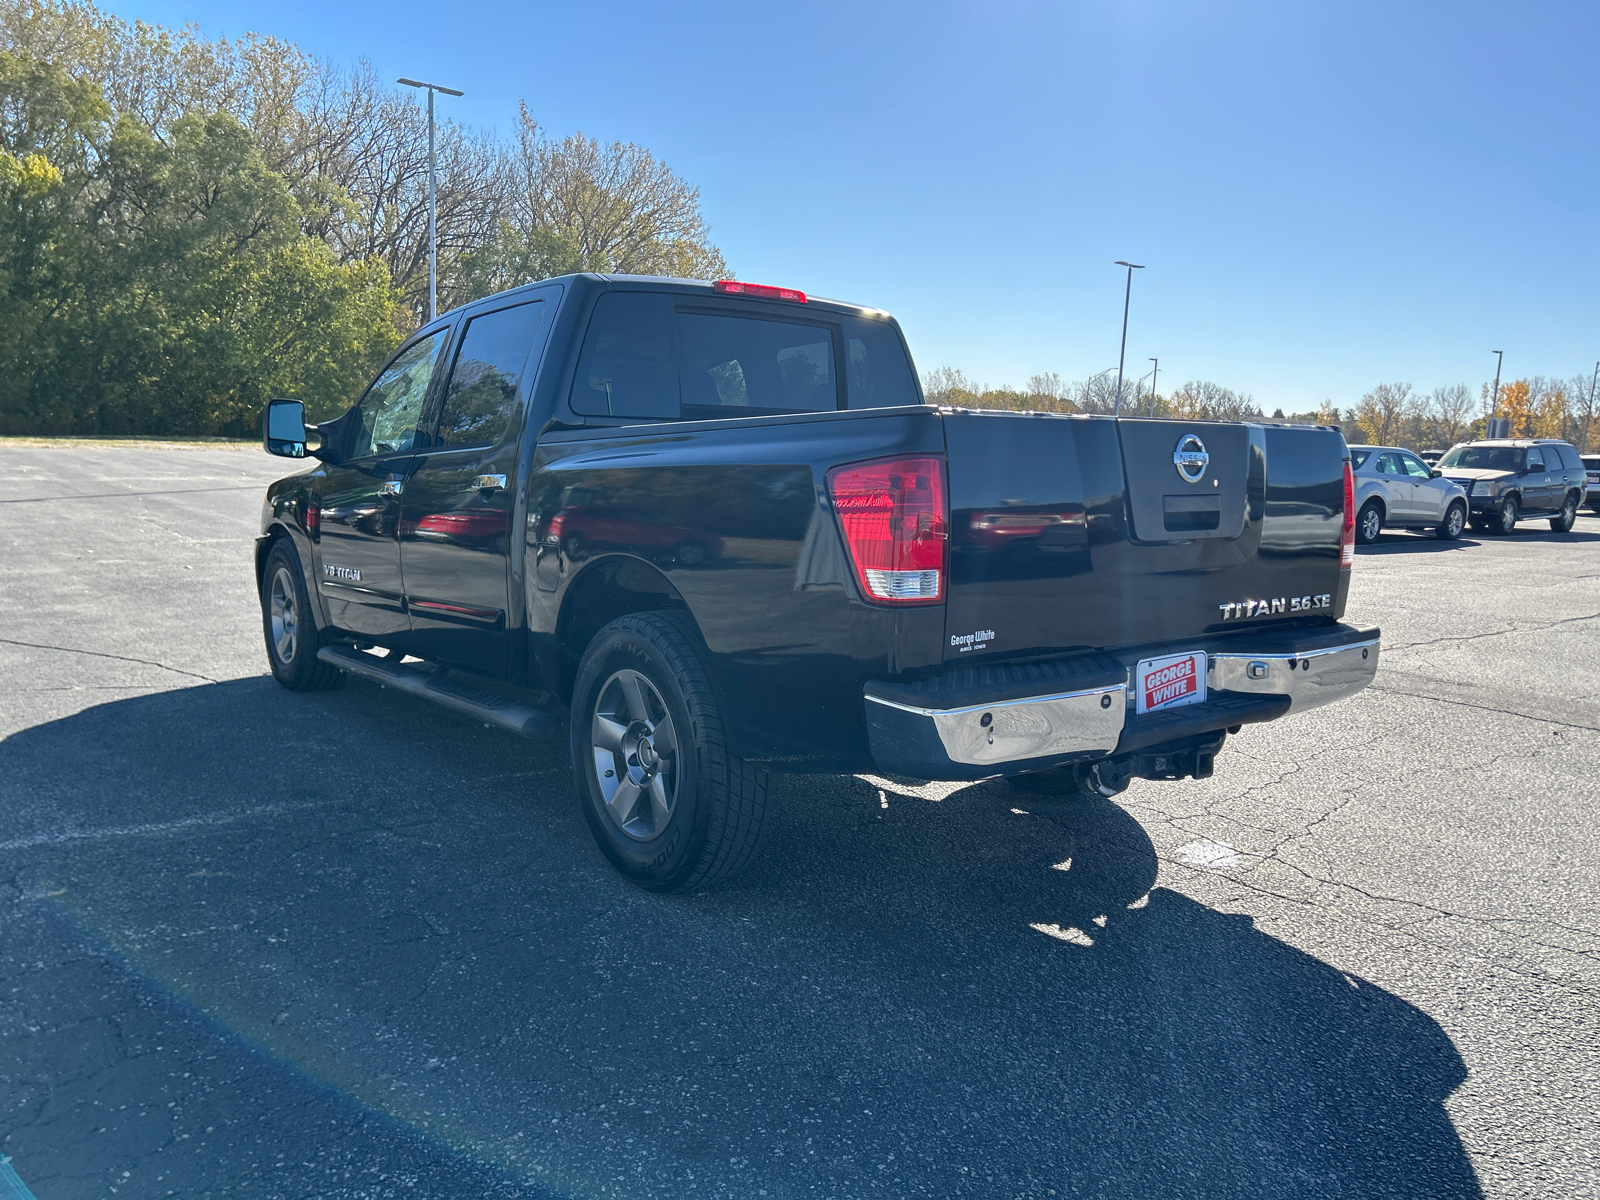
column 258, row 944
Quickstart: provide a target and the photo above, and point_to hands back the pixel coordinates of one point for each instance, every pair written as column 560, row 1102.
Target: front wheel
column 290, row 628
column 1369, row 522
column 1454, row 521
column 1563, row 521
column 668, row 801
column 1505, row 517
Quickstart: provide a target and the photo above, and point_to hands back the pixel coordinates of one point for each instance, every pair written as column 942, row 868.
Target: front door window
column 392, row 406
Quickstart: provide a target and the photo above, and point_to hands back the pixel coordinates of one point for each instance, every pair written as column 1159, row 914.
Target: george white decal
column 978, row 639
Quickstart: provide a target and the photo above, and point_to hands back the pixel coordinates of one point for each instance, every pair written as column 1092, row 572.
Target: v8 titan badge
column 1170, row 682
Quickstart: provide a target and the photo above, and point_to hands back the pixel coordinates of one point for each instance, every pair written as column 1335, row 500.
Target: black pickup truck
column 718, row 525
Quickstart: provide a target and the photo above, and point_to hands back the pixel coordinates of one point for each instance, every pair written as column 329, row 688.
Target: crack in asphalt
column 251, row 487
column 1505, row 963
column 1474, row 637
column 1504, row 712
column 148, row 829
column 102, row 654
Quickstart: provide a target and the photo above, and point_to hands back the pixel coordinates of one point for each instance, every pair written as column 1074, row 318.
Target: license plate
column 1170, row 682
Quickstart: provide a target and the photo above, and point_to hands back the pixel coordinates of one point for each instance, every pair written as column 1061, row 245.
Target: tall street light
column 433, row 171
column 1153, row 371
column 1494, row 396
column 1588, row 413
column 1126, row 297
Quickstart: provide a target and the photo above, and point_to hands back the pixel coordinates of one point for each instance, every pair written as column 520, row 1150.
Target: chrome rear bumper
column 1000, row 720
column 1310, row 678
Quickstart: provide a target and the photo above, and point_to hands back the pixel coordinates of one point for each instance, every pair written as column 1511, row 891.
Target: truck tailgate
column 1070, row 533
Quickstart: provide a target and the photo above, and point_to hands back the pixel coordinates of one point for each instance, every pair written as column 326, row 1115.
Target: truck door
column 455, row 525
column 1427, row 493
column 358, row 572
column 1537, row 489
column 1402, row 503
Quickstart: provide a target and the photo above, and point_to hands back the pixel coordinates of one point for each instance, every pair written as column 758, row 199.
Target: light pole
column 1122, row 354
column 433, row 171
column 1494, row 396
column 1153, row 371
column 1588, row 413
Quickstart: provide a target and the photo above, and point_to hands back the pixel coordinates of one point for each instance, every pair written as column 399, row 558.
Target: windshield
column 1358, row 459
column 1483, row 458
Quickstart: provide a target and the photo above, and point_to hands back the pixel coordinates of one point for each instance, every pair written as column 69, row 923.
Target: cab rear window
column 731, row 366
column 656, row 356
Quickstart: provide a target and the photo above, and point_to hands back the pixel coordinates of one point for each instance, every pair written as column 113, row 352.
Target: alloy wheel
column 1455, row 521
column 636, row 758
column 1371, row 523
column 284, row 615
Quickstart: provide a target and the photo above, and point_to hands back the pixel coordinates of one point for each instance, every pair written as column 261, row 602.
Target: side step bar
column 479, row 703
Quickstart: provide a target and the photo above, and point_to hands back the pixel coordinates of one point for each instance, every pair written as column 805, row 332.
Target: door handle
column 490, row 483
column 392, row 487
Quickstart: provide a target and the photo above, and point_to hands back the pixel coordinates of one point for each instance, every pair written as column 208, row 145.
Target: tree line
column 189, row 225
column 1391, row 414
column 1197, row 400
column 1396, row 414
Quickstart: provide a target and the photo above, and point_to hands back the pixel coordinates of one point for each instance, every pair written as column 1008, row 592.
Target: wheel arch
column 279, row 531
column 608, row 588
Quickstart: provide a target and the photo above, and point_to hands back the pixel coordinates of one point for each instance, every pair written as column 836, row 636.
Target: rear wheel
column 1454, row 520
column 1369, row 522
column 669, row 803
column 290, row 627
column 1563, row 521
column 1505, row 517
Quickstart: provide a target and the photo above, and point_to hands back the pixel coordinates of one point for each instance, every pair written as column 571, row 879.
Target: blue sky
column 1327, row 195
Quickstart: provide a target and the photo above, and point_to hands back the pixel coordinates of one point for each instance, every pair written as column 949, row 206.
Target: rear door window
column 1389, row 463
column 1569, row 457
column 731, row 366
column 481, row 399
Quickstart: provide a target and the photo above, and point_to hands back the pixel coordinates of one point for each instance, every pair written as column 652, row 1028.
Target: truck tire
column 1080, row 781
column 1563, row 521
column 1455, row 520
column 1369, row 522
column 289, row 624
column 669, row 803
column 1504, row 520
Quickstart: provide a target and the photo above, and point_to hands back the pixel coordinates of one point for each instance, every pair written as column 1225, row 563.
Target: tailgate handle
column 1191, row 514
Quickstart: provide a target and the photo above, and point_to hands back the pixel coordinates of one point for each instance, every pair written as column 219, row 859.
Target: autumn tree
column 1516, row 404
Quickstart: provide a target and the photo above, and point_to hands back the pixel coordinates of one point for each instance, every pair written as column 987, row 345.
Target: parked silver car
column 1396, row 489
column 1591, row 471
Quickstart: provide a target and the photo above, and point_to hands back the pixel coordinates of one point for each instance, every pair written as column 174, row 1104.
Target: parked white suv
column 1396, row 489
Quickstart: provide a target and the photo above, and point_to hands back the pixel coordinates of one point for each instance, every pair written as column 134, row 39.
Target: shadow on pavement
column 351, row 933
column 1426, row 543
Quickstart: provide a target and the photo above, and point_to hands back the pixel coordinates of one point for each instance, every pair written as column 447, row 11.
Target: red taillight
column 893, row 515
column 758, row 291
column 1347, row 536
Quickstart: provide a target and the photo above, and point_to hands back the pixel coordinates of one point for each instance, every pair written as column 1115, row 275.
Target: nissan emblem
column 1191, row 458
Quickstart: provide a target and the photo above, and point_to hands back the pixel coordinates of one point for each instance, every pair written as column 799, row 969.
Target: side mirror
column 283, row 429
column 1435, row 473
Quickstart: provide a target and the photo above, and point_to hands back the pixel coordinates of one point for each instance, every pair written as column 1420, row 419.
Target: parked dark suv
column 1508, row 479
